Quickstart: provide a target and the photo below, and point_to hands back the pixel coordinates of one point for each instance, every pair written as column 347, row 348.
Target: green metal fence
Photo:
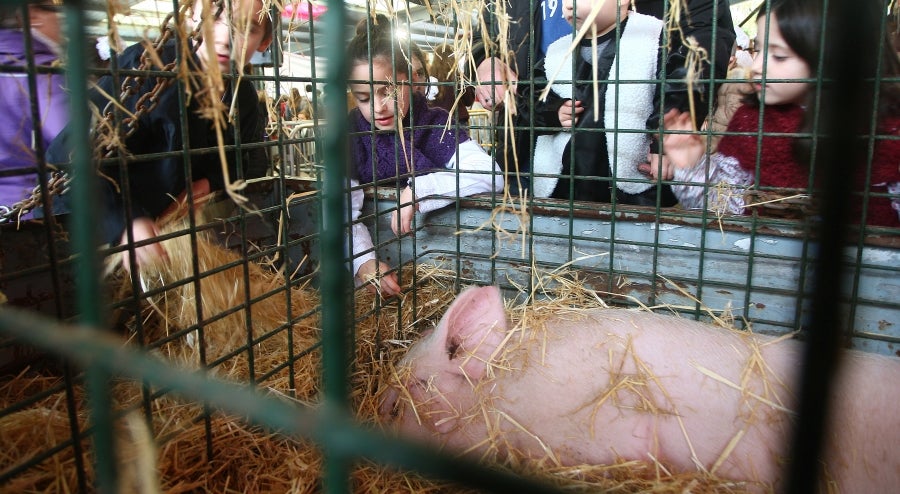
column 779, row 275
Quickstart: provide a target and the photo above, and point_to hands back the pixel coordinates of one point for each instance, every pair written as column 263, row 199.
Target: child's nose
column 756, row 68
column 222, row 33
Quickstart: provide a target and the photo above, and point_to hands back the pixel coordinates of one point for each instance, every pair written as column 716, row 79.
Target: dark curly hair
column 375, row 39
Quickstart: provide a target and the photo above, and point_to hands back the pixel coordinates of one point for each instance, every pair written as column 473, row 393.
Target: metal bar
column 84, row 243
column 42, row 170
column 335, row 202
column 838, row 160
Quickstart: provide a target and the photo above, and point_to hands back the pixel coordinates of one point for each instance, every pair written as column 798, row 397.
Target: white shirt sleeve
column 720, row 178
column 894, row 195
column 470, row 157
column 362, row 240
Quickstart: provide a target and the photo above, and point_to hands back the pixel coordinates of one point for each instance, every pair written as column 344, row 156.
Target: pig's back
column 864, row 436
column 726, row 398
column 685, row 392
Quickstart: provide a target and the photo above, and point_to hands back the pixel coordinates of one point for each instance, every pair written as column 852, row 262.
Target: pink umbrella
column 303, row 10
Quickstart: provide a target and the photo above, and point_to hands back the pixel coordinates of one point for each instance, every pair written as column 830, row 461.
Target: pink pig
column 597, row 386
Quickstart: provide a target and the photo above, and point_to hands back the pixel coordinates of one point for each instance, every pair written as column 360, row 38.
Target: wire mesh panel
column 301, row 158
column 256, row 237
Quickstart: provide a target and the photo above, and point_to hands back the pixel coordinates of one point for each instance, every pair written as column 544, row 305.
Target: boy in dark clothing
column 707, row 21
column 612, row 143
column 240, row 29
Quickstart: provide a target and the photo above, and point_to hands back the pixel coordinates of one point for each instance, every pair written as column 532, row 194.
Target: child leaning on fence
column 397, row 138
column 792, row 52
column 233, row 34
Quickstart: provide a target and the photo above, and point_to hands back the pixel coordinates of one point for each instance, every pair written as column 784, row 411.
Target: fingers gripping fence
column 274, row 387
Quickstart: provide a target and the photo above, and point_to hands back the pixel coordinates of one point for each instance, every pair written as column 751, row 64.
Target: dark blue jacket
column 155, row 161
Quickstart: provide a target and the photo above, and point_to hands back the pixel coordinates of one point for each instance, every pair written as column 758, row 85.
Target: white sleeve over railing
column 362, row 240
column 894, row 193
column 469, row 157
column 721, row 177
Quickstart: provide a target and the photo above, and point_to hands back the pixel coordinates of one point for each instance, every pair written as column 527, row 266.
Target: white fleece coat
column 628, row 105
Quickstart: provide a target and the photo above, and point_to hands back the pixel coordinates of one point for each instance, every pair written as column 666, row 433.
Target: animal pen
column 251, row 362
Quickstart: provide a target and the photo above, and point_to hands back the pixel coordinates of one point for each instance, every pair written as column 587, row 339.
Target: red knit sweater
column 779, row 168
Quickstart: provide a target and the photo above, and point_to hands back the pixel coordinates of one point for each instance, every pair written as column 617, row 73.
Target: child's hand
column 566, row 118
column 143, row 228
column 666, row 172
column 491, row 75
column 683, row 150
column 201, row 193
column 401, row 220
column 387, row 285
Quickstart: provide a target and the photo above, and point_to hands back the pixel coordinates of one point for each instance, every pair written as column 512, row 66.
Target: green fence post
column 335, row 336
column 84, row 243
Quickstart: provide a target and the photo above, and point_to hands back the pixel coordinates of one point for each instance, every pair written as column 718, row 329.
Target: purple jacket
column 17, row 150
column 429, row 145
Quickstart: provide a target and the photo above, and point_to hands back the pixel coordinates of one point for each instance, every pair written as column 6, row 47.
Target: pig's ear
column 476, row 325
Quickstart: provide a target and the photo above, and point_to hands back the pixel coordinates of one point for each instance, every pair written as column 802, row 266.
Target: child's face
column 781, row 63
column 241, row 29
column 578, row 14
column 376, row 101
